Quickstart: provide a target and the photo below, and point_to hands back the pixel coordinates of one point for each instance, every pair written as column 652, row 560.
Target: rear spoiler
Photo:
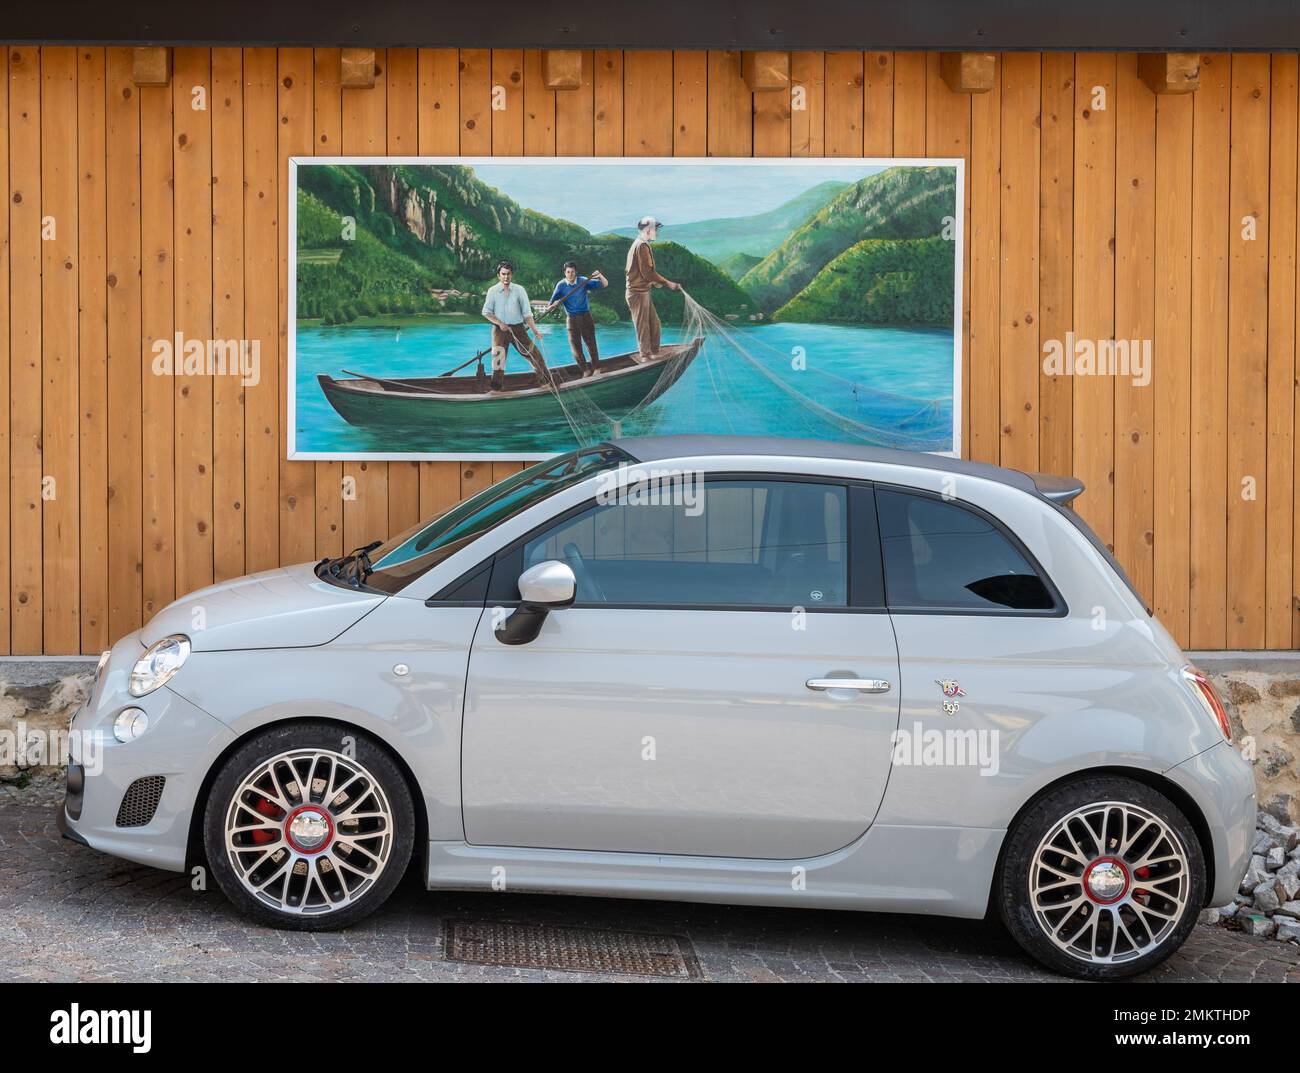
column 1060, row 490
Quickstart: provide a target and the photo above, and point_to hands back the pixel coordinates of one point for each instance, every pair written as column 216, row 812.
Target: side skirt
column 944, row 871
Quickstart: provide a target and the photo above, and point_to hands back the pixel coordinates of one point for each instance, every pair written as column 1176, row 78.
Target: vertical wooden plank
column 1135, row 210
column 475, row 102
column 844, row 97
column 1209, row 369
column 327, row 108
column 59, row 276
column 1056, row 257
column 807, row 104
column 192, row 228
column 92, row 357
column 689, row 104
column 262, row 417
column 947, row 134
column 650, row 80
column 731, row 107
column 25, row 256
column 403, row 133
column 1018, row 279
column 125, row 491
column 1280, row 482
column 297, row 499
column 538, row 108
column 772, row 123
column 227, row 105
column 909, row 104
column 878, row 104
column 1172, row 358
column 158, row 405
column 983, row 234
column 5, row 637
column 575, row 113
column 608, row 99
column 507, row 102
column 365, row 518
column 1248, row 233
column 439, row 135
column 1094, row 283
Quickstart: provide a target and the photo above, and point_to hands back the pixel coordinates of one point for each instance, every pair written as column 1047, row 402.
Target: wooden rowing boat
column 465, row 402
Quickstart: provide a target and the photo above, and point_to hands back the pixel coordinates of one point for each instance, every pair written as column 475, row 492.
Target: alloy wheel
column 1109, row 882
column 309, row 831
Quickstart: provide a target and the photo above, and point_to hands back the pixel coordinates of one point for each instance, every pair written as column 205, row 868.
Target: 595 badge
column 951, row 691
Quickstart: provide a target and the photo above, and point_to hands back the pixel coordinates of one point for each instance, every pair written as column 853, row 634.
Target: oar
column 390, row 383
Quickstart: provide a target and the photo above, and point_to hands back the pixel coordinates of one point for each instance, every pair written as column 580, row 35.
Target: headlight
column 130, row 724
column 157, row 666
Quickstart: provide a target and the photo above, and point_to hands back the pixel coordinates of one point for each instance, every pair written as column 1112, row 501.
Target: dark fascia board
column 955, row 25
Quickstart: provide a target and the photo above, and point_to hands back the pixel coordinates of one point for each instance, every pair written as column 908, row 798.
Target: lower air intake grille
column 140, row 801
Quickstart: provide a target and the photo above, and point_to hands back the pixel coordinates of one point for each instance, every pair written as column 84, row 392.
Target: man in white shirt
column 506, row 306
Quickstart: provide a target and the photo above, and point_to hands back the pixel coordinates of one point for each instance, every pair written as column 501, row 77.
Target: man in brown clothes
column 641, row 277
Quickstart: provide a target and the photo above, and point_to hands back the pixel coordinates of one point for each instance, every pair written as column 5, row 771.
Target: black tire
column 285, row 738
column 1012, row 884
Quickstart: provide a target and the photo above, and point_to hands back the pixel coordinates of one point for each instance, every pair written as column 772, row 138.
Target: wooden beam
column 151, row 66
column 967, row 72
column 357, row 68
column 1170, row 72
column 562, row 68
column 766, row 70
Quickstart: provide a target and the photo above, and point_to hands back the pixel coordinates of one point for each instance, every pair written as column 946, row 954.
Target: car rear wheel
column 309, row 826
column 1101, row 878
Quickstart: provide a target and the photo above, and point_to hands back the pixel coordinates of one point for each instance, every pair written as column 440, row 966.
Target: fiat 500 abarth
column 760, row 671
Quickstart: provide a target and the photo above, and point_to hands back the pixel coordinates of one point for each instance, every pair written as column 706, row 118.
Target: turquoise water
column 888, row 387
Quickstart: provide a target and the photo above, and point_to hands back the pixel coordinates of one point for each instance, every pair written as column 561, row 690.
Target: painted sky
column 601, row 197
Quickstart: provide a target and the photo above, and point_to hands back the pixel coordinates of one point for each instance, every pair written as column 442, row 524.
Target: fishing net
column 714, row 391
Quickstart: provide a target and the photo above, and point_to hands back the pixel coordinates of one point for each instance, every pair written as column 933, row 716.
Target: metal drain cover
column 540, row 946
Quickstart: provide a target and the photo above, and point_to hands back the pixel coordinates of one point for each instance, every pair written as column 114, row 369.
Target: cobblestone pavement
column 69, row 913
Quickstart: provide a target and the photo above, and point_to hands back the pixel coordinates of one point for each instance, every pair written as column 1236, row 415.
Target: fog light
column 130, row 724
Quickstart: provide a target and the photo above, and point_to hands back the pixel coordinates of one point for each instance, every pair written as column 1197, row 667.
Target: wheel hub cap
column 308, row 830
column 1106, row 880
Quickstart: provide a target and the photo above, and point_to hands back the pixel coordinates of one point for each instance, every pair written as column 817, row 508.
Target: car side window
column 733, row 543
column 941, row 555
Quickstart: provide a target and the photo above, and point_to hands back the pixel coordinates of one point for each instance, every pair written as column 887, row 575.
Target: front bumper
column 1223, row 786
column 180, row 745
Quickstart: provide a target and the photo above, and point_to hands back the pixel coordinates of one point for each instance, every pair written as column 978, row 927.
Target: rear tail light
column 1209, row 697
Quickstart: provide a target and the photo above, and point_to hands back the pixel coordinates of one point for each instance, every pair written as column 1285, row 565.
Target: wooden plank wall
column 1093, row 206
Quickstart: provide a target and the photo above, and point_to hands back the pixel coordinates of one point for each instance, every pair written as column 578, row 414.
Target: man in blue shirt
column 572, row 291
column 506, row 306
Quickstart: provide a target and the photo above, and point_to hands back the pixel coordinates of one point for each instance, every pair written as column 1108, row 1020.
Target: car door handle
column 862, row 685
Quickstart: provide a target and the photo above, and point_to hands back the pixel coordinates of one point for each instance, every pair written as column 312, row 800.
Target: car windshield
column 406, row 556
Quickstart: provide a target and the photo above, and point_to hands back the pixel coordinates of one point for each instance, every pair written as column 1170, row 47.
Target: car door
column 670, row 710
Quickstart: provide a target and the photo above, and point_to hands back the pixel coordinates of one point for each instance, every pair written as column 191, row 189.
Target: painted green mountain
column 427, row 238
column 757, row 235
column 738, row 264
column 898, row 203
column 883, row 282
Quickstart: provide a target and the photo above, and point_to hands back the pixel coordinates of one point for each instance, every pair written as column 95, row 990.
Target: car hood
column 285, row 608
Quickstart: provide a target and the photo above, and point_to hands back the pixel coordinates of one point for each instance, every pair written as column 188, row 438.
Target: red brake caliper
column 262, row 836
column 1142, row 873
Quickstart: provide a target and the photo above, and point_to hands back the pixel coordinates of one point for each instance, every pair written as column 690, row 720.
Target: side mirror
column 543, row 588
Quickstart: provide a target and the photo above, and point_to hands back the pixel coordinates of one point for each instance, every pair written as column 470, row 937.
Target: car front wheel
column 1101, row 878
column 309, row 826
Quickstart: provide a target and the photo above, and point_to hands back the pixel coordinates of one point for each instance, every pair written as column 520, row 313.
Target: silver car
column 758, row 671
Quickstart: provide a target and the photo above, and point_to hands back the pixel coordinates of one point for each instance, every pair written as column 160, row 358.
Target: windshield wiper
column 358, row 559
